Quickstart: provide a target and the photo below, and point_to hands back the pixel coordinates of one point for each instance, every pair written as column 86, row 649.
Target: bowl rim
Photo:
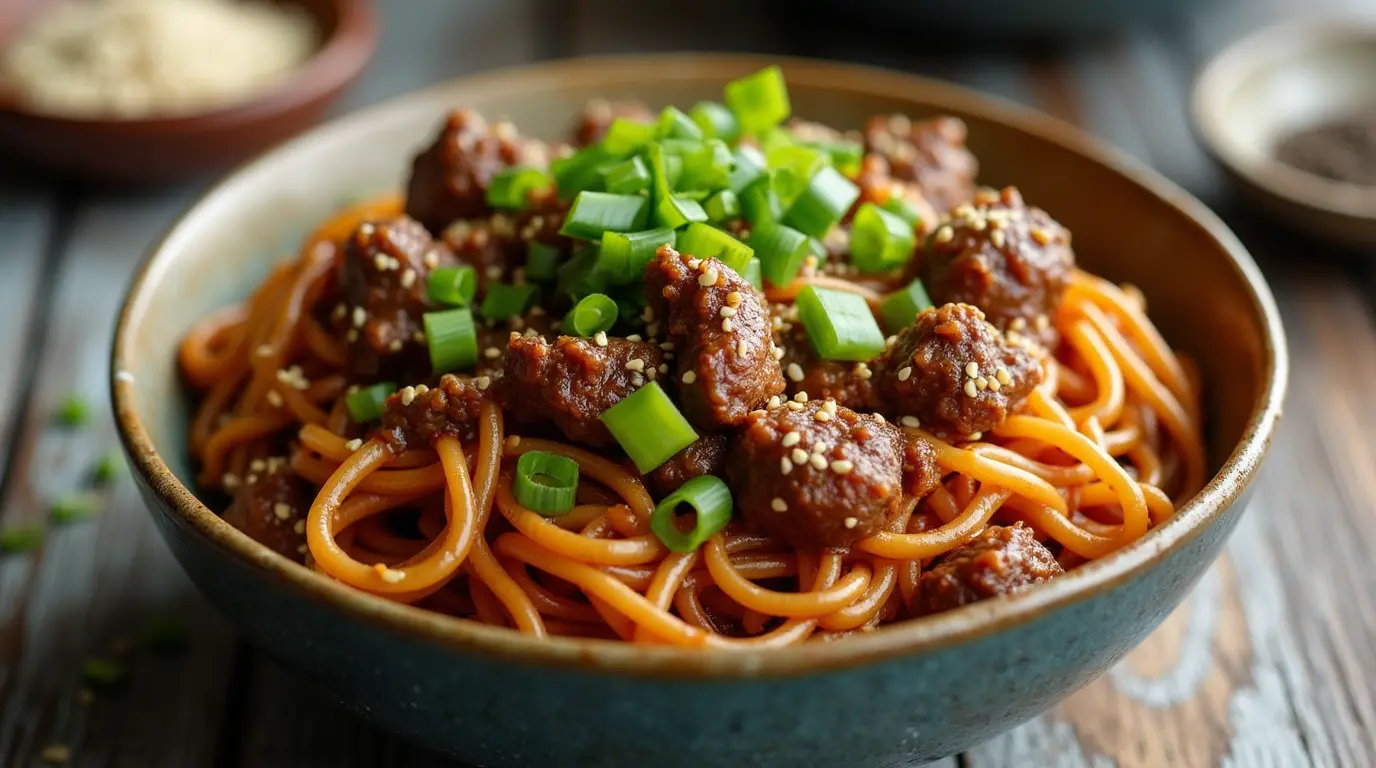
column 617, row 658
column 338, row 59
column 1263, row 48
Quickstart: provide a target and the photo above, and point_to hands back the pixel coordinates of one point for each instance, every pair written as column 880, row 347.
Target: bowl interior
column 1123, row 230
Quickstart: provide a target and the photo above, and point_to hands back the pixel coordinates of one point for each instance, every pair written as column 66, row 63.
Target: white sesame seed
column 258, row 465
column 230, row 481
column 778, row 353
column 798, row 455
column 910, row 421
column 634, row 337
column 851, row 522
column 726, row 325
column 600, row 339
column 982, row 383
column 976, row 435
column 708, row 278
column 879, row 417
column 354, row 444
column 757, row 413
column 822, row 416
column 663, row 368
column 667, row 346
column 727, row 312
column 492, row 352
column 970, row 388
column 863, row 372
column 431, row 258
column 274, row 398
column 774, row 402
column 795, row 372
column 819, row 462
column 733, row 298
column 785, row 465
column 997, row 238
column 418, row 336
column 994, row 385
column 281, row 510
column 300, row 526
column 493, row 272
column 829, row 406
column 1002, row 376
column 689, row 377
column 1040, row 236
column 795, row 406
column 945, row 235
column 360, row 316
column 408, row 394
column 692, row 263
column 251, row 479
column 791, row 439
column 842, row 466
column 972, row 369
column 905, row 372
column 742, row 349
column 778, row 505
column 635, row 364
column 819, row 447
column 408, row 278
column 395, row 345
column 1043, row 322
column 484, row 382
column 637, row 380
column 800, row 397
column 391, row 576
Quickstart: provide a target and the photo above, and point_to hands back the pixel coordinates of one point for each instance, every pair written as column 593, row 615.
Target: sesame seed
column 822, row 416
column 879, row 417
column 431, row 258
column 257, row 465
column 663, row 368
column 693, row 263
column 513, row 442
column 408, row 278
column 360, row 316
column 795, row 372
column 689, row 377
column 976, row 435
column 972, row 369
column 798, row 455
column 982, row 383
column 634, row 337
column 264, row 350
column 395, row 345
column 418, row 336
column 537, row 311
column 1014, row 337
column 970, row 388
column 851, row 522
column 635, row 364
column 758, row 412
column 1002, row 376
column 791, row 439
column 742, row 349
column 733, row 298
column 829, row 406
column 600, row 339
column 1040, row 236
column 380, row 261
column 281, row 510
column 492, row 352
column 708, row 278
column 484, row 382
column 842, row 466
column 274, row 398
column 354, row 444
column 945, row 235
column 778, row 505
column 785, row 465
column 1017, row 324
column 637, row 380
column 778, row 353
column 55, row 754
column 800, row 397
column 408, row 394
column 863, row 371
column 997, row 238
column 819, row 462
column 389, row 575
column 251, row 479
column 667, row 346
column 774, row 402
column 994, row 385
column 493, row 272
column 795, row 406
column 652, row 330
column 229, row 480
column 819, row 447
column 727, row 326
column 905, row 372
column 301, row 548
column 300, row 527
column 910, row 421
column 1043, row 322
column 727, row 312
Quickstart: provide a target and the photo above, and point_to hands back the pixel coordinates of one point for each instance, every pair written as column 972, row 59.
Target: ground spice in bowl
column 1342, row 150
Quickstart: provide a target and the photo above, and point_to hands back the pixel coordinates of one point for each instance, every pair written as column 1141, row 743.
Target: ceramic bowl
column 1280, row 80
column 165, row 149
column 908, row 692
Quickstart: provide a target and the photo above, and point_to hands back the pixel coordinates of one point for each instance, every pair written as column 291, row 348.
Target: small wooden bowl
column 1279, row 80
column 165, row 149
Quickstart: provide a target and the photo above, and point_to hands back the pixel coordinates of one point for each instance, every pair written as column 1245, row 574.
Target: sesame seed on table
column 1267, row 663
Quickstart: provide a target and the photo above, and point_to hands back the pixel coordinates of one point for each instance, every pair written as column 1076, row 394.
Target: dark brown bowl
column 166, row 149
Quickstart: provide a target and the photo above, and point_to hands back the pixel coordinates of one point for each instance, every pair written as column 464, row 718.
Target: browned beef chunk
column 999, row 561
column 705, row 456
column 270, row 505
column 928, row 153
column 420, row 415
column 849, row 384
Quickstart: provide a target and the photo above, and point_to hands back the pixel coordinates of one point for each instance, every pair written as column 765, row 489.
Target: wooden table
column 1269, row 663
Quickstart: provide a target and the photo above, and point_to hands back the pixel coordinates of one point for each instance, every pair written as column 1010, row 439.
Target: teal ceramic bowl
column 905, row 693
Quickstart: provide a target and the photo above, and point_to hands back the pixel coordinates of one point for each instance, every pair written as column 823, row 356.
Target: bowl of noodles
column 697, row 409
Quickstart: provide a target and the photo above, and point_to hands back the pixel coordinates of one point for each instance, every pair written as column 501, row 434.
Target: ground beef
column 877, row 185
column 573, row 381
column 420, row 415
column 921, row 473
column 494, row 339
column 449, row 178
column 706, row 456
column 270, row 506
column 815, row 473
column 1008, row 259
column 929, row 153
column 598, row 114
column 999, row 561
column 498, row 246
column 382, row 274
column 849, row 384
column 721, row 331
column 934, row 369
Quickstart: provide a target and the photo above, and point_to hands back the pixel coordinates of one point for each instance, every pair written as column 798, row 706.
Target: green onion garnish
column 722, row 207
column 627, row 177
column 819, row 249
column 711, row 502
column 366, row 404
column 593, row 313
column 73, row 411
column 20, row 539
column 760, row 203
column 503, row 301
column 759, row 101
column 674, row 212
column 704, row 241
column 825, row 200
column 879, row 240
column 542, row 262
column 625, row 136
column 903, row 210
column 511, row 187
column 452, row 286
column 845, row 155
column 623, row 256
column 579, row 276
column 74, row 508
column 648, row 427
column 546, row 483
column 108, row 467
column 749, row 164
column 596, row 212
column 673, row 124
column 102, row 673
column 901, row 307
column 163, row 634
column 839, row 324
column 752, row 274
column 708, row 168
column 452, row 338
column 660, row 185
column 715, row 120
column 794, row 166
column 581, row 170
column 781, row 251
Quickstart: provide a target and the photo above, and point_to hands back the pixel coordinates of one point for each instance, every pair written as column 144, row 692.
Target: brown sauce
column 1341, row 150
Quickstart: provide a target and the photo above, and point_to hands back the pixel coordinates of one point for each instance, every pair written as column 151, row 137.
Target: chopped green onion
column 20, row 539
column 819, row 249
column 839, row 324
column 660, row 185
column 752, row 274
column 903, row 210
column 452, row 338
column 504, row 301
column 715, row 120
column 674, row 212
column 579, row 276
column 625, row 136
column 648, row 427
column 775, row 138
column 901, row 307
column 880, row 241
column 711, row 502
column 626, row 178
column 749, row 165
column 366, row 404
column 827, row 198
column 452, row 286
column 781, row 251
column 546, row 483
column 73, row 411
column 673, row 124
column 163, row 634
column 596, row 212
column 722, row 207
column 845, row 155
column 594, row 312
column 704, row 241
column 102, row 673
column 759, row 101
column 760, row 203
column 794, row 167
column 74, row 508
column 624, row 256
column 108, row 467
column 511, row 187
column 581, row 170
column 709, row 168
column 542, row 263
